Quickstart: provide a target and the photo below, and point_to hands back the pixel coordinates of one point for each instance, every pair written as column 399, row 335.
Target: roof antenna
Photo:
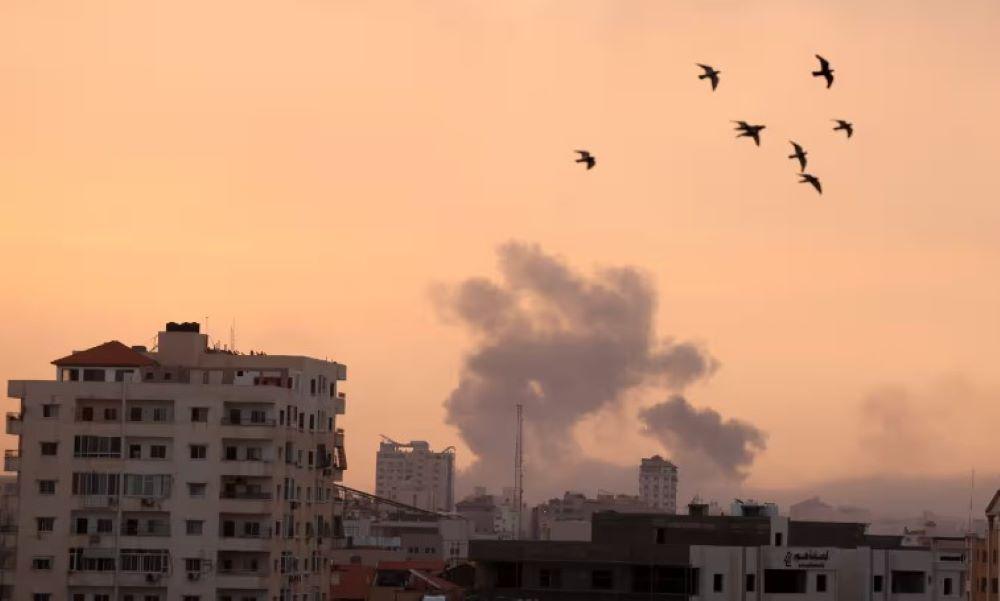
column 972, row 493
column 232, row 336
column 207, row 334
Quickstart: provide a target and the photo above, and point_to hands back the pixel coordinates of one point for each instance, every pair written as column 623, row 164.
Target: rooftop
column 109, row 354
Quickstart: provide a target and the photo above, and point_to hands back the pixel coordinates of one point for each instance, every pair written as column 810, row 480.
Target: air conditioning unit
column 95, row 539
column 194, row 575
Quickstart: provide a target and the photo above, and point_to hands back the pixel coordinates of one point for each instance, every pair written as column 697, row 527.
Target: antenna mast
column 519, row 470
column 232, row 336
column 972, row 494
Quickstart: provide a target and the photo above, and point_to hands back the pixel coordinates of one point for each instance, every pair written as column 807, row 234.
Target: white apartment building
column 412, row 473
column 184, row 473
column 658, row 484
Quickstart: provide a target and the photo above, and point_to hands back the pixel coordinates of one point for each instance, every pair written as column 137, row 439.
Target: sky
column 318, row 171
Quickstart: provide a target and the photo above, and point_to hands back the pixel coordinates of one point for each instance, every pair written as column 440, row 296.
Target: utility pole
column 519, row 470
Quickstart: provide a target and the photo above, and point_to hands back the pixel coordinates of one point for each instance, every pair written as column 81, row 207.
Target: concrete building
column 731, row 558
column 569, row 518
column 658, row 484
column 412, row 473
column 491, row 516
column 8, row 535
column 183, row 473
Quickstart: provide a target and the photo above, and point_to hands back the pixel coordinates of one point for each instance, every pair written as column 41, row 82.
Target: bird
column 586, row 157
column 847, row 126
column 824, row 71
column 749, row 131
column 799, row 154
column 811, row 179
column 711, row 74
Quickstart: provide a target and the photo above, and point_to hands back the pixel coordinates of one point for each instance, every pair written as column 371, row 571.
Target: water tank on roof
column 187, row 326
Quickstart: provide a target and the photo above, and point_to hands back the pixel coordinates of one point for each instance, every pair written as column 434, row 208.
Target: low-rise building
column 568, row 518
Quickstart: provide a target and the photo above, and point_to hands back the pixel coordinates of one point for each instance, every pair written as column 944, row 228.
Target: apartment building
column 181, row 473
column 658, row 484
column 8, row 535
column 412, row 473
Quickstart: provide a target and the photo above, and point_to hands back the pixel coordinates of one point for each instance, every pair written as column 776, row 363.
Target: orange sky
column 311, row 168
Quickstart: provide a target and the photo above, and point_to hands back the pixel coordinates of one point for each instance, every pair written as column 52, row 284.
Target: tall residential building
column 8, row 535
column 412, row 473
column 185, row 473
column 658, row 484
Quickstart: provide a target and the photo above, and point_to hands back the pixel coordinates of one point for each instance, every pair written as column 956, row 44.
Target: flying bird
column 586, row 157
column 711, row 74
column 811, row 179
column 824, row 71
column 844, row 125
column 749, row 131
column 799, row 154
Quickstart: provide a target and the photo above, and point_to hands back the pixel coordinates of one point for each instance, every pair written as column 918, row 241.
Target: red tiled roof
column 109, row 354
column 355, row 582
column 433, row 566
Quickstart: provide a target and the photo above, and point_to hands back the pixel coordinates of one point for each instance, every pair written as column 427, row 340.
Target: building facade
column 569, row 518
column 719, row 558
column 412, row 473
column 184, row 473
column 658, row 484
column 8, row 535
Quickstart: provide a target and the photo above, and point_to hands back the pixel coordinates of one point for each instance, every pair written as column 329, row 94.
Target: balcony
column 146, row 529
column 243, row 541
column 14, row 421
column 98, row 501
column 12, row 460
column 340, row 404
column 232, row 420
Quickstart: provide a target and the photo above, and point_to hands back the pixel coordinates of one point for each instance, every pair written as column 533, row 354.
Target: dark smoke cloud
column 729, row 444
column 565, row 346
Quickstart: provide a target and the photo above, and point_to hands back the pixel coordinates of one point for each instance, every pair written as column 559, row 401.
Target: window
column 93, row 375
column 661, row 536
column 102, row 597
column 147, row 485
column 73, row 375
column 191, row 598
column 231, row 453
column 908, row 582
column 281, row 417
column 751, row 582
column 160, row 414
column 196, row 489
column 135, row 414
column 95, row 483
column 97, row 446
column 135, row 451
column 199, row 414
column 820, row 583
column 50, row 410
column 50, row 448
column 122, row 375
column 192, row 564
column 947, row 586
column 158, row 451
column 111, row 414
column 42, row 596
column 198, row 451
column 254, row 454
column 81, row 526
column 41, row 563
column 258, row 417
column 46, row 487
column 45, row 524
column 602, row 580
column 194, row 527
column 777, row 539
column 877, row 583
column 104, row 526
column 717, row 583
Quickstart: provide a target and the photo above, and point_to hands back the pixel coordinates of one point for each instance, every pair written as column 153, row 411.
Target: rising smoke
column 567, row 346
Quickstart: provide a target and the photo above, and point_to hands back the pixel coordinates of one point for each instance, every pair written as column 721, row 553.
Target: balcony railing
column 12, row 460
column 240, row 421
column 146, row 530
column 14, row 421
column 260, row 534
column 244, row 494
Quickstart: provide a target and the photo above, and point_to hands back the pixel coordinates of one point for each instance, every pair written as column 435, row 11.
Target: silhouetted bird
column 824, row 71
column 844, row 125
column 749, row 131
column 799, row 154
column 711, row 74
column 586, row 157
column 811, row 179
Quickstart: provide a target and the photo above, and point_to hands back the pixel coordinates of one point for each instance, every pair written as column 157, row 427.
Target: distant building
column 412, row 473
column 569, row 518
column 753, row 509
column 491, row 516
column 816, row 510
column 658, row 484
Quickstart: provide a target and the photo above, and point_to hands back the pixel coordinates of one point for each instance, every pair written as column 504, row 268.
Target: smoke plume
column 567, row 346
column 730, row 444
